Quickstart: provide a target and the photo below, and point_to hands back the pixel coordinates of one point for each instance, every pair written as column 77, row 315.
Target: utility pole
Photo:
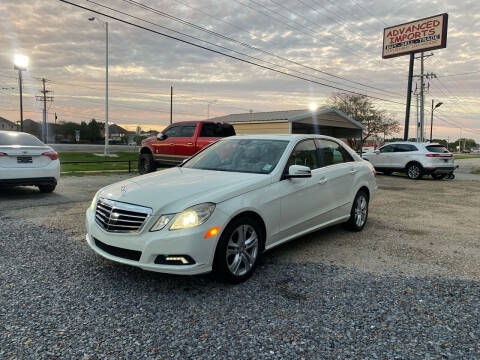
column 422, row 76
column 44, row 98
column 409, row 96
column 171, row 104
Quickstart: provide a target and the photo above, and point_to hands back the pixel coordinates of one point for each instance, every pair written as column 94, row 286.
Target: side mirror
column 298, row 171
column 161, row 136
column 377, row 151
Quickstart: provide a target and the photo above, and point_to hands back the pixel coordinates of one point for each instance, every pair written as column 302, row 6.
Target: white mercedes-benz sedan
column 26, row 161
column 222, row 208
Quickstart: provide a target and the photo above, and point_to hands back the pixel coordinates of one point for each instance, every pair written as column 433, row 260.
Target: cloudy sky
column 340, row 38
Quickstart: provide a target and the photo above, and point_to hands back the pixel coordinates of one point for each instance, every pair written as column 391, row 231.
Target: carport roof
column 322, row 116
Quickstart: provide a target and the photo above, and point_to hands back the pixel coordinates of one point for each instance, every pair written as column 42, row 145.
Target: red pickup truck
column 178, row 142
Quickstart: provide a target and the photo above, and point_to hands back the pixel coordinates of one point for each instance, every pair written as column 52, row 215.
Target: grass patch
column 86, row 156
column 476, row 171
column 466, row 156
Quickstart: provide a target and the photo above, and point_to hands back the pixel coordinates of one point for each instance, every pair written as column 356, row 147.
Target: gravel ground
column 60, row 301
column 405, row 287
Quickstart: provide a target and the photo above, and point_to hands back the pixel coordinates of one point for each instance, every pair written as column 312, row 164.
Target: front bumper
column 143, row 248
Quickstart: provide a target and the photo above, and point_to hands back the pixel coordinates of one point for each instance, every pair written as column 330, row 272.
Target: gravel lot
column 406, row 287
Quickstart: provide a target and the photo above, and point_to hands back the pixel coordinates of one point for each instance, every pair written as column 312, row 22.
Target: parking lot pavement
column 406, row 287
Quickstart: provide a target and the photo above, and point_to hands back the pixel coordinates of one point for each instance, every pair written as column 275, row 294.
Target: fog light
column 181, row 259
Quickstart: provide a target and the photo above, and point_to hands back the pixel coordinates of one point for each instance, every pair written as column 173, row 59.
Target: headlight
column 162, row 222
column 194, row 216
column 94, row 201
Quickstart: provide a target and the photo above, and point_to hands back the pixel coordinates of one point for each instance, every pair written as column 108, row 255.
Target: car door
column 382, row 157
column 338, row 172
column 301, row 202
column 184, row 143
column 163, row 149
column 209, row 133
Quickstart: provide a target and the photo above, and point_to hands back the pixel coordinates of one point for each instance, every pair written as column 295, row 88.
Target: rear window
column 437, row 148
column 21, row 139
column 217, row 130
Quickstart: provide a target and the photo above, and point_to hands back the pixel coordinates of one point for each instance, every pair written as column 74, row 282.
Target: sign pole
column 409, row 97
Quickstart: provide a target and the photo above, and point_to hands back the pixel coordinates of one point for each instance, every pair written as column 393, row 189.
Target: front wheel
column 146, row 164
column 414, row 171
column 359, row 213
column 238, row 250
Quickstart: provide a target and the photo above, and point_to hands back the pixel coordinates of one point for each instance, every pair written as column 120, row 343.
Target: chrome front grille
column 116, row 216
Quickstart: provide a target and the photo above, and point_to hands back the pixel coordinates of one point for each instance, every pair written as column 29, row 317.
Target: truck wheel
column 414, row 171
column 146, row 164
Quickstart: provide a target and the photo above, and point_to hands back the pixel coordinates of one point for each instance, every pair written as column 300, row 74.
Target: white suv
column 416, row 159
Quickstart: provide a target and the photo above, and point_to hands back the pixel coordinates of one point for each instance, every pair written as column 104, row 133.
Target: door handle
column 172, row 144
column 322, row 181
column 190, row 143
column 353, row 171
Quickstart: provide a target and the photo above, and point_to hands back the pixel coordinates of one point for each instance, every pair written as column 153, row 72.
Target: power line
column 211, row 32
column 222, row 53
column 237, row 52
column 460, row 74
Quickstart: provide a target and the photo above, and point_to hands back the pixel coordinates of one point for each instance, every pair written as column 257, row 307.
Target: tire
column 438, row 176
column 47, row 188
column 236, row 259
column 414, row 171
column 146, row 164
column 359, row 212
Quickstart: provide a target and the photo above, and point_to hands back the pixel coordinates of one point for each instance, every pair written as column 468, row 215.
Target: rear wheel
column 359, row 213
column 146, row 164
column 238, row 250
column 47, row 188
column 438, row 176
column 414, row 171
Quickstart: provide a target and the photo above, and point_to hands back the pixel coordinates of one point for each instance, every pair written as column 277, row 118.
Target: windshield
column 21, row 139
column 240, row 155
column 437, row 148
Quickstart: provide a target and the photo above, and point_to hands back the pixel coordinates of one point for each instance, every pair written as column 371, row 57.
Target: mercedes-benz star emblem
column 123, row 189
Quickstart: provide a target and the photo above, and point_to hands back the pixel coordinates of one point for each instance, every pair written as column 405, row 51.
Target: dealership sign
column 416, row 36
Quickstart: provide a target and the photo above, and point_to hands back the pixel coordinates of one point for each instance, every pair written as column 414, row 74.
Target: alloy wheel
column 413, row 171
column 242, row 250
column 360, row 211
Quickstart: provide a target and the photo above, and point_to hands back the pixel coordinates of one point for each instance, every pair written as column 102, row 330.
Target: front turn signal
column 212, row 232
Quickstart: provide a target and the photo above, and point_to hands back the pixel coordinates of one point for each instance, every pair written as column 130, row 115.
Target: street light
column 431, row 118
column 105, row 152
column 20, row 63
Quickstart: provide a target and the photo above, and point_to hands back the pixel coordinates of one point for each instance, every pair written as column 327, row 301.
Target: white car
column 224, row 206
column 26, row 161
column 416, row 159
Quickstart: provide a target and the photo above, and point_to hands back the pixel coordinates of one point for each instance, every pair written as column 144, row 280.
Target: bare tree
column 360, row 108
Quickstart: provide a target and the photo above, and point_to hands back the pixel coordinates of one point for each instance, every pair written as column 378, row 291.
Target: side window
column 187, row 130
column 172, row 132
column 387, row 149
column 404, row 148
column 305, row 153
column 331, row 153
column 208, row 130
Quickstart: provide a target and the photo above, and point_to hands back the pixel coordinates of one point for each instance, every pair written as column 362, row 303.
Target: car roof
column 287, row 137
column 412, row 143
